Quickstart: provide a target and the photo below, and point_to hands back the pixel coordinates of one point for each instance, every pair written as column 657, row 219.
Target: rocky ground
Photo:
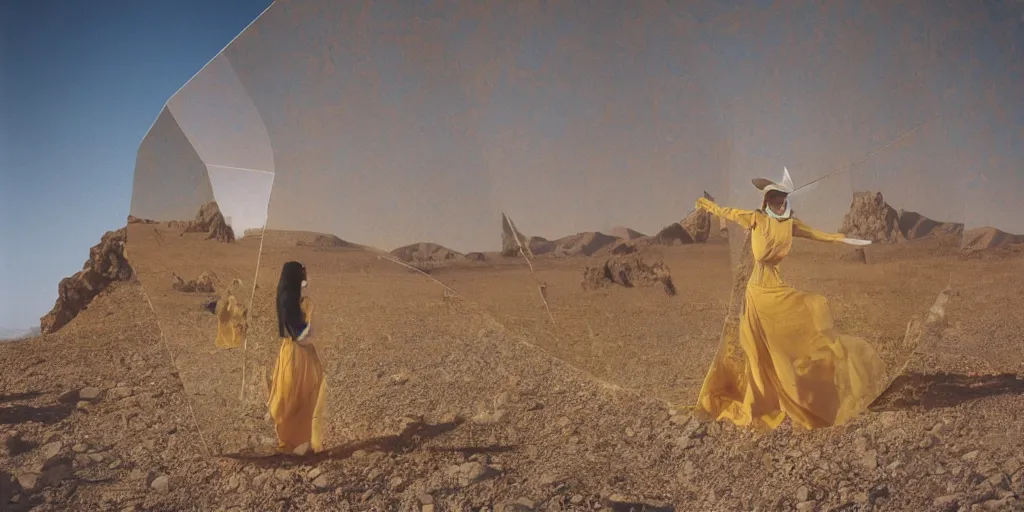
column 94, row 418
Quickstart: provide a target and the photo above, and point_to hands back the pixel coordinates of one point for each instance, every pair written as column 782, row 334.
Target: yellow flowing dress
column 231, row 324
column 297, row 392
column 795, row 362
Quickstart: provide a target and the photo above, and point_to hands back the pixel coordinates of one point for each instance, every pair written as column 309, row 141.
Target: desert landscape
column 541, row 375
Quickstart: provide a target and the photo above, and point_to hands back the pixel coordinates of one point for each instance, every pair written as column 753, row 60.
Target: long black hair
column 290, row 320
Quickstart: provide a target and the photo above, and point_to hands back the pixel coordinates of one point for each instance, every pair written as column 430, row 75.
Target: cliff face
column 107, row 263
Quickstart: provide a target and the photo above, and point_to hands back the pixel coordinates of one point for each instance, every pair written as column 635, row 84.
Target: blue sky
column 81, row 84
column 408, row 122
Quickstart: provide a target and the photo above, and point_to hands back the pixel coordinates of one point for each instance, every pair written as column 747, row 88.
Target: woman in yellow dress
column 231, row 323
column 791, row 359
column 298, row 388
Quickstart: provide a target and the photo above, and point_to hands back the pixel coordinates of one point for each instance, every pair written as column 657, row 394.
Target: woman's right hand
column 705, row 204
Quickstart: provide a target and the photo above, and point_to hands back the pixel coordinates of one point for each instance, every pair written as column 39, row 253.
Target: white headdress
column 785, row 185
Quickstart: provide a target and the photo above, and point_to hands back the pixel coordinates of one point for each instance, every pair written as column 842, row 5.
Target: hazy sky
column 390, row 123
column 80, row 84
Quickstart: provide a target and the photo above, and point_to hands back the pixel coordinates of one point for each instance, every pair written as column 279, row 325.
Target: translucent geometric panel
column 222, row 123
column 193, row 239
column 171, row 182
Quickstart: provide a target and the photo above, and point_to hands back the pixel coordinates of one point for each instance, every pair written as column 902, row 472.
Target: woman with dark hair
column 298, row 389
column 787, row 358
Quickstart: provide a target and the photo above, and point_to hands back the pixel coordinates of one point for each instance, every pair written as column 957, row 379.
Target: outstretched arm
column 745, row 218
column 804, row 231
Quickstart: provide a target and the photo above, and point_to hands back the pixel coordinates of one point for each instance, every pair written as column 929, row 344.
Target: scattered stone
column 313, row 473
column 29, row 481
column 119, row 393
column 49, row 451
column 806, row 506
column 803, row 494
column 321, row 482
column 89, row 393
column 301, row 450
column 950, row 501
column 234, row 482
column 870, row 460
column 161, row 484
column 80, row 448
column 970, row 456
column 470, row 473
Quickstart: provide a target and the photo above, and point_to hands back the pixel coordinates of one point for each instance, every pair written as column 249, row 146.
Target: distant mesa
column 426, row 252
column 989, row 238
column 107, row 263
column 316, row 240
column 695, row 228
column 583, row 244
column 625, row 233
column 871, row 218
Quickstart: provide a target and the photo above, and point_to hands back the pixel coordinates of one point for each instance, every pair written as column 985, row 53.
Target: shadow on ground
column 408, row 440
column 14, row 397
column 943, row 390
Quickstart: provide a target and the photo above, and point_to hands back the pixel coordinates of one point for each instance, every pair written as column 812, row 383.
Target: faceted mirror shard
column 193, row 238
column 220, row 120
column 602, row 264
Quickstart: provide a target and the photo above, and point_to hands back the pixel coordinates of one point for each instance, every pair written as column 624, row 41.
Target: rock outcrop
column 107, row 263
column 871, row 218
column 628, row 271
column 426, row 252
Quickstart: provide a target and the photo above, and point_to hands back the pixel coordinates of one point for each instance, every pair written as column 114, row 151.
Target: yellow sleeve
column 804, row 231
column 745, row 218
column 306, row 304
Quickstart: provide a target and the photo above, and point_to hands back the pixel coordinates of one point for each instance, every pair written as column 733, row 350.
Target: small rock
column 282, row 474
column 161, row 484
column 970, row 456
column 313, row 473
column 234, row 482
column 28, row 481
column 138, row 474
column 870, row 460
column 806, row 506
column 82, row 406
column 301, row 450
column 321, row 482
column 80, row 448
column 1011, row 466
column 119, row 393
column 51, row 450
column 261, row 479
column 89, row 393
column 396, row 483
column 946, row 502
column 803, row 494
column 95, row 458
column 429, row 507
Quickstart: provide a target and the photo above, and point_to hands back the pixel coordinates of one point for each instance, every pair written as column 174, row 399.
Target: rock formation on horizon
column 209, row 220
column 107, row 263
column 532, row 246
column 871, row 218
column 426, row 252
